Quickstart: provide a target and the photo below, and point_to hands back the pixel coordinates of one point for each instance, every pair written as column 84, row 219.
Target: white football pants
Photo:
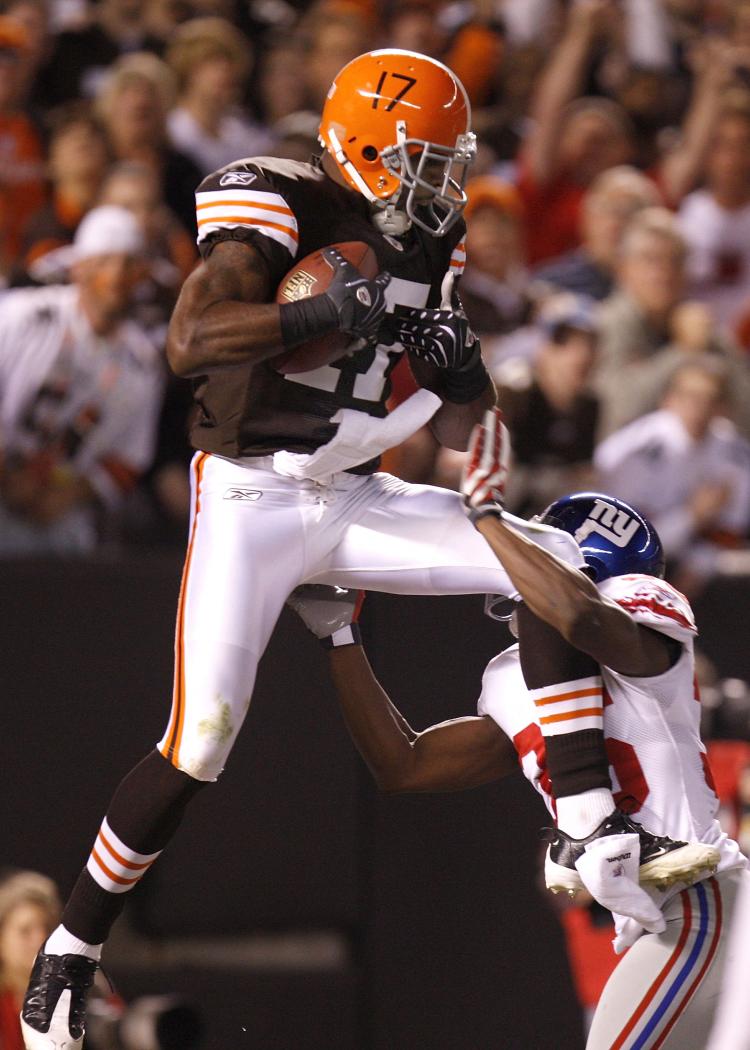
column 664, row 992
column 255, row 535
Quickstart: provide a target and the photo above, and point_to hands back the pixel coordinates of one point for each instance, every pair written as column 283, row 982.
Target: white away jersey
column 651, row 725
column 71, row 398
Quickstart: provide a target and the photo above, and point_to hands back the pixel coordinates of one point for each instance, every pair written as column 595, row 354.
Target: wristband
column 467, row 383
column 486, row 510
column 349, row 635
column 307, row 318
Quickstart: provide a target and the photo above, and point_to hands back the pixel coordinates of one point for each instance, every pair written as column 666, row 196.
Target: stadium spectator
column 493, row 285
column 83, row 56
column 160, row 513
column 170, row 250
column 414, row 27
column 80, row 389
column 574, row 139
column 688, row 467
column 333, row 33
column 549, row 407
column 647, row 327
column 715, row 220
column 133, row 105
column 22, row 189
column 211, row 60
column 29, row 911
column 77, row 160
column 613, row 198
column 34, row 17
column 280, row 90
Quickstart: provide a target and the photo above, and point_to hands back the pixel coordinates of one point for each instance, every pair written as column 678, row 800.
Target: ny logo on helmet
column 613, row 524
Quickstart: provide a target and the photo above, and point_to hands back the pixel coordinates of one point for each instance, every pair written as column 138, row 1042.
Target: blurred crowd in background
column 607, row 274
column 608, row 270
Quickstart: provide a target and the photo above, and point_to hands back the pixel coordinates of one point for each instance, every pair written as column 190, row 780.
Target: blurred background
column 608, row 276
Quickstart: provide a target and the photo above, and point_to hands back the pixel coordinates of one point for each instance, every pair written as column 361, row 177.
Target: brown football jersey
column 285, row 210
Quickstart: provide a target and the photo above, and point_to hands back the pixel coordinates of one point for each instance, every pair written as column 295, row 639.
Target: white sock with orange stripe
column 63, row 942
column 113, row 865
column 564, row 710
column 568, row 707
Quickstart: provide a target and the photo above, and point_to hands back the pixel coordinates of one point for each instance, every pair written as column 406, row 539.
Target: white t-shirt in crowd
column 235, row 137
column 72, row 399
column 656, row 465
column 719, row 255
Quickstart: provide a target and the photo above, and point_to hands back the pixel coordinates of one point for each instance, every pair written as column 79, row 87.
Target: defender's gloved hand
column 486, row 471
column 330, row 613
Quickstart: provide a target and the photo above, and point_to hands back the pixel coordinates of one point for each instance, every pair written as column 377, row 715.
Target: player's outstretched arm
column 556, row 592
column 461, row 753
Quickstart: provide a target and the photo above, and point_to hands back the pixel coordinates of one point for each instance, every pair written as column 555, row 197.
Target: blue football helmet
column 615, row 539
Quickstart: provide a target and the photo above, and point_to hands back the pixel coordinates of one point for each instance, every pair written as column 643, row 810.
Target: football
column 311, row 276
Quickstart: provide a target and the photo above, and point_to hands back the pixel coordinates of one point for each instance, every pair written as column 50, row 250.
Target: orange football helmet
column 396, row 120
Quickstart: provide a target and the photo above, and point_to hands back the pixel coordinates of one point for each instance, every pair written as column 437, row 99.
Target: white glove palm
column 609, row 870
column 330, row 613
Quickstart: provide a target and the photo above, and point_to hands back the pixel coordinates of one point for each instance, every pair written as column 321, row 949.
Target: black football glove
column 442, row 337
column 359, row 303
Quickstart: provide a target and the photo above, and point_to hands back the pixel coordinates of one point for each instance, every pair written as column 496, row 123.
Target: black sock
column 576, row 760
column 145, row 812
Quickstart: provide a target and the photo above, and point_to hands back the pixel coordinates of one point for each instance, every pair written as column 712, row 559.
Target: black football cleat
column 54, row 1010
column 664, row 861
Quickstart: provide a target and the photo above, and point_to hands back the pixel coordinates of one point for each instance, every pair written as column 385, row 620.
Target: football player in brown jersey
column 285, row 488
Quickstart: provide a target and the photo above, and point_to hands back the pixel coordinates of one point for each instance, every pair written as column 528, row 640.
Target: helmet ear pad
column 614, row 537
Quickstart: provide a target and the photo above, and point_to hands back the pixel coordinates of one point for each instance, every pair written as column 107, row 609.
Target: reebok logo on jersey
column 613, row 524
column 249, row 495
column 237, row 178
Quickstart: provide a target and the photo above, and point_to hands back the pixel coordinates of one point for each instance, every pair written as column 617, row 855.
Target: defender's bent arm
column 565, row 598
column 461, row 753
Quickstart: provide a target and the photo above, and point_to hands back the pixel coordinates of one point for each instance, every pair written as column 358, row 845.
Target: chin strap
column 390, row 220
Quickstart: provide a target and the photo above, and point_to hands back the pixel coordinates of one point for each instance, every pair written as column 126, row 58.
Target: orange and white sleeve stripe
column 113, row 865
column 266, row 213
column 458, row 259
column 569, row 706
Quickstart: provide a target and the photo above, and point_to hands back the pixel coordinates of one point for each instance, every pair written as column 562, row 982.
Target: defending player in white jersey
column 663, row 993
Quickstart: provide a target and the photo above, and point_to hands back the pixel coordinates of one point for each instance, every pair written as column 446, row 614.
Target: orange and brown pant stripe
column 170, row 745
